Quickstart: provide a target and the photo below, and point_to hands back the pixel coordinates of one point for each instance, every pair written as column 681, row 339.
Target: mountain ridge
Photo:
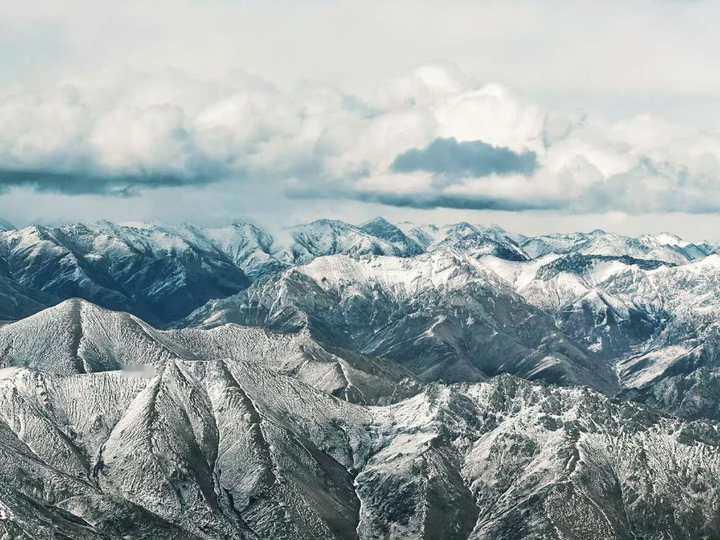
column 343, row 381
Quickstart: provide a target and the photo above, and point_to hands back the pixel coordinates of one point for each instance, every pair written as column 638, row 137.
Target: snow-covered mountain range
column 357, row 381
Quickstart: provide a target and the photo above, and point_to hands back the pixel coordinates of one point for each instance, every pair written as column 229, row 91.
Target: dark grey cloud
column 648, row 187
column 460, row 202
column 448, row 157
column 429, row 200
column 82, row 183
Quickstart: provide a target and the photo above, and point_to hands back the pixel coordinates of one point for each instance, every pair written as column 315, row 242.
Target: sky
column 540, row 116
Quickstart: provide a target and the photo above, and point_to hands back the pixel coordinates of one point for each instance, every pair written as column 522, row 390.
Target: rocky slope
column 663, row 247
column 77, row 337
column 654, row 322
column 157, row 273
column 634, row 315
column 162, row 273
column 229, row 449
column 441, row 315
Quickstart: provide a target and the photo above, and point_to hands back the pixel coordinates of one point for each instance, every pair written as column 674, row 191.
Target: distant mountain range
column 341, row 381
column 162, row 273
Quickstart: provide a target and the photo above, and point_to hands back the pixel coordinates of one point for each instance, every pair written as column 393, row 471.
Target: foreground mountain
column 212, row 449
column 77, row 337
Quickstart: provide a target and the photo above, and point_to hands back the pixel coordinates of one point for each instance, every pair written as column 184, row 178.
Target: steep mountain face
column 474, row 240
column 544, row 464
column 381, row 228
column 572, row 288
column 77, row 337
column 201, row 459
column 330, row 237
column 441, row 315
column 211, row 449
column 679, row 369
column 251, row 248
column 157, row 273
column 655, row 322
column 478, row 241
column 162, row 273
column 590, row 308
column 17, row 302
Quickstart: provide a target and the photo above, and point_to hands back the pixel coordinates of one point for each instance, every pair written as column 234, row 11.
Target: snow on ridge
column 438, row 269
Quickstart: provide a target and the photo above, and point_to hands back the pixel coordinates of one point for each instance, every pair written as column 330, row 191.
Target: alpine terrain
column 373, row 381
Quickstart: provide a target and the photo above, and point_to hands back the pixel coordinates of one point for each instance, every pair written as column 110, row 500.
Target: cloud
column 430, row 200
column 431, row 138
column 77, row 183
column 133, row 132
column 451, row 158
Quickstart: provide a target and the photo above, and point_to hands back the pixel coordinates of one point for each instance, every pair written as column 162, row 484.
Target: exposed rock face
column 78, row 337
column 586, row 304
column 441, row 315
column 162, row 273
column 154, row 272
column 219, row 448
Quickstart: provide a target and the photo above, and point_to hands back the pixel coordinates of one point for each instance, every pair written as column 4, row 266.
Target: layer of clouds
column 434, row 137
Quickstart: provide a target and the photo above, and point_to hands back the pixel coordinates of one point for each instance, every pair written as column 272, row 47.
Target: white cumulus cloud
column 462, row 143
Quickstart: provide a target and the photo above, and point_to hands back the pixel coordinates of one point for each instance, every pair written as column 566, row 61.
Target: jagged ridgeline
column 374, row 381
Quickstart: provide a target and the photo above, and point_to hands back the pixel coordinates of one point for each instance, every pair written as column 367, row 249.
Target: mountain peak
column 378, row 221
column 383, row 229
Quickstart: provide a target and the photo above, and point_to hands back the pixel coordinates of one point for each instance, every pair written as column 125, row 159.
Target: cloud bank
column 431, row 138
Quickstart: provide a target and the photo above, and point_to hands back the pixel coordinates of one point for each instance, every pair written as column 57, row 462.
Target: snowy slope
column 442, row 315
column 310, row 399
column 158, row 273
column 250, row 248
column 655, row 322
column 77, row 337
column 474, row 240
column 593, row 299
column 662, row 247
column 227, row 449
